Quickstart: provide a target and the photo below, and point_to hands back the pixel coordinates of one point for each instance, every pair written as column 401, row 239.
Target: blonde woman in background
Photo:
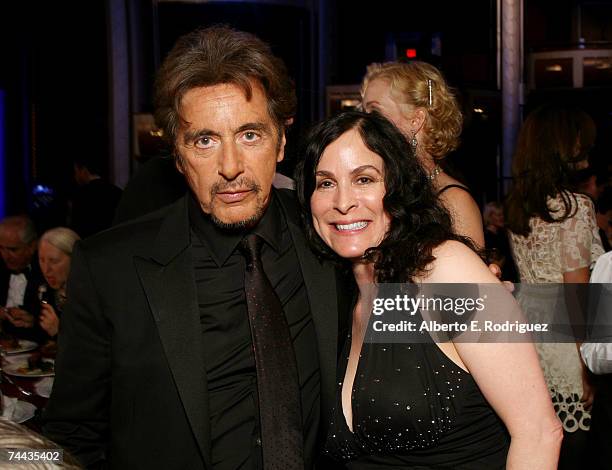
column 416, row 98
column 54, row 254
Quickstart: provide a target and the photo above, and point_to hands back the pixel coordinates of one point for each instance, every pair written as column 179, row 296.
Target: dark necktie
column 277, row 378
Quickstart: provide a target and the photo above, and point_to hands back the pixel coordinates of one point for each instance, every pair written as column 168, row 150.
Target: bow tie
column 26, row 272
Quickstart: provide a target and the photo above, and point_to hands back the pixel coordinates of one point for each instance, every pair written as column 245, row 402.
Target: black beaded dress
column 414, row 408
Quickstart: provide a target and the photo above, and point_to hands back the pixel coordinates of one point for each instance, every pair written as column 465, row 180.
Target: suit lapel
column 320, row 282
column 168, row 281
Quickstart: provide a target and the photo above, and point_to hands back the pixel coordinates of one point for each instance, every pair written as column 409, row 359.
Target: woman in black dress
column 413, row 405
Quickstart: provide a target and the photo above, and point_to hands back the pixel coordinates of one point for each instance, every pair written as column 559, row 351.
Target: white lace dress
column 550, row 250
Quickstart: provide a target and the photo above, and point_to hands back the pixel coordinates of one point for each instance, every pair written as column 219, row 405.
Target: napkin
column 43, row 387
column 9, row 405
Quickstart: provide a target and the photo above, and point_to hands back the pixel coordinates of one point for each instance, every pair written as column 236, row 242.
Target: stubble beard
column 246, row 223
column 240, row 225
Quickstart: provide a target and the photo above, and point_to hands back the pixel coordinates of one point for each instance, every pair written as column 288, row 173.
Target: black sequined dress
column 414, row 408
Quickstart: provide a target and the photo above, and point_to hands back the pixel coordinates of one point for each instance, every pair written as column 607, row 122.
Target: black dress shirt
column 229, row 362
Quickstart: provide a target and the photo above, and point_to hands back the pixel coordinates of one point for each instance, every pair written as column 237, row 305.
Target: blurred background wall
column 76, row 76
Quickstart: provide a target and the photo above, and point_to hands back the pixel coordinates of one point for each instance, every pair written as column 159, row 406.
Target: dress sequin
column 413, row 407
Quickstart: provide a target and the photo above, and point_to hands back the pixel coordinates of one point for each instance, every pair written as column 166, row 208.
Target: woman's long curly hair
column 552, row 139
column 419, row 223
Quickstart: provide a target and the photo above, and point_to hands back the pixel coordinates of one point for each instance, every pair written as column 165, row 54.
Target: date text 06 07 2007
column 16, row 456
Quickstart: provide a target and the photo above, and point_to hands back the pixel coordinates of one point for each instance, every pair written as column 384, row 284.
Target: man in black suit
column 94, row 201
column 20, row 277
column 155, row 366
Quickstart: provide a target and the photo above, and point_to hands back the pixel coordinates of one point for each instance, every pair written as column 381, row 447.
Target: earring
column 413, row 143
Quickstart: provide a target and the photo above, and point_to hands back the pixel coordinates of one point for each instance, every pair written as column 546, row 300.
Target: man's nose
column 231, row 165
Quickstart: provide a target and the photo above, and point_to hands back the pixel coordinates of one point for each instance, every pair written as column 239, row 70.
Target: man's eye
column 250, row 136
column 203, row 142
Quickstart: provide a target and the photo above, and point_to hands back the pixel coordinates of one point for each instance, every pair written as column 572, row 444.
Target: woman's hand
column 48, row 319
column 20, row 318
column 497, row 272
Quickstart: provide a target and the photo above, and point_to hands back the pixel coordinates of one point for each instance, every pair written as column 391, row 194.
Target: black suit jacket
column 130, row 385
column 31, row 304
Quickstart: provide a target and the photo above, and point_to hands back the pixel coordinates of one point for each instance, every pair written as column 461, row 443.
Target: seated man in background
column 19, row 276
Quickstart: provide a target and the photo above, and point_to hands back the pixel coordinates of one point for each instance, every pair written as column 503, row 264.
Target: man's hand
column 20, row 318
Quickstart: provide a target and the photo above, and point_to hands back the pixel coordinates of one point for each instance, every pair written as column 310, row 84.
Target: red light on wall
column 411, row 53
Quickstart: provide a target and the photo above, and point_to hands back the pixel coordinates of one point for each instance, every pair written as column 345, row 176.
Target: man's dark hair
column 221, row 55
column 419, row 222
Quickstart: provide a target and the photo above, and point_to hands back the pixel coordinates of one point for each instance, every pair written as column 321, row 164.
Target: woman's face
column 377, row 97
column 347, row 203
column 54, row 264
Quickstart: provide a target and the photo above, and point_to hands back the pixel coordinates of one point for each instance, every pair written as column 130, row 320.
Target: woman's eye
column 364, row 180
column 324, row 184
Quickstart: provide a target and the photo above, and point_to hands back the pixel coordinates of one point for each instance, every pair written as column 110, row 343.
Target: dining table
column 25, row 390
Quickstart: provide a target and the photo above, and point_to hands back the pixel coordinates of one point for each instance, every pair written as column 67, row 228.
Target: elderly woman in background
column 554, row 238
column 416, row 98
column 54, row 254
column 496, row 240
column 369, row 205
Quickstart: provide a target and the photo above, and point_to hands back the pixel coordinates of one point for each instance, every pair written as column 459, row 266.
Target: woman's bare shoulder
column 456, row 262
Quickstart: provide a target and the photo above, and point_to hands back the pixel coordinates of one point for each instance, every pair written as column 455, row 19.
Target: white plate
column 13, row 369
column 43, row 387
column 16, row 410
column 24, row 346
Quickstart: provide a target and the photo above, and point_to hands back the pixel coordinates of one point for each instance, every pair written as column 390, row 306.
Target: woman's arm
column 579, row 276
column 508, row 374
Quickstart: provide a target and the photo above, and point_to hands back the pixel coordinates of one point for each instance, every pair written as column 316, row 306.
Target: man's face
column 79, row 175
column 16, row 254
column 228, row 149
